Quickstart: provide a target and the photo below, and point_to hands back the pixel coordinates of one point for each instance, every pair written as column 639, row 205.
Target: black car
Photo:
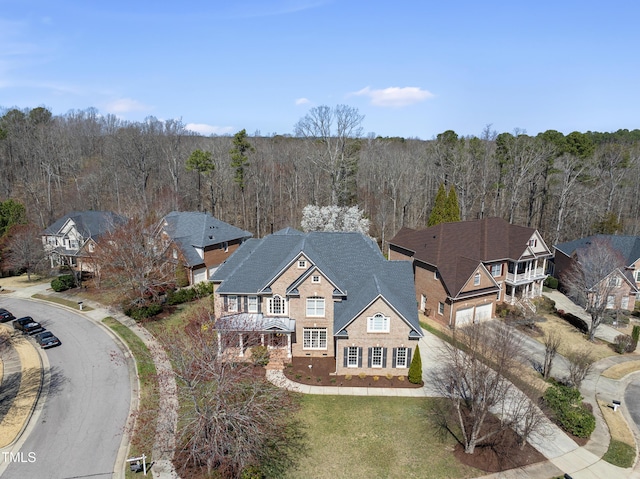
column 27, row 325
column 5, row 316
column 46, row 340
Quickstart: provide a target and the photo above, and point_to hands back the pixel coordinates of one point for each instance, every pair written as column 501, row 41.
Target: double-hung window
column 378, row 323
column 315, row 307
column 252, row 304
column 353, row 356
column 232, row 304
column 376, row 357
column 496, row 270
column 314, row 338
column 476, row 279
column 401, row 358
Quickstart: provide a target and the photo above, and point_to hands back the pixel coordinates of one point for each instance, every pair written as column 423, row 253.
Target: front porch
column 240, row 332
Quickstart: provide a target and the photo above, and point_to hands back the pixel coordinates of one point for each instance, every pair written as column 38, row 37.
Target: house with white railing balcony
column 463, row 269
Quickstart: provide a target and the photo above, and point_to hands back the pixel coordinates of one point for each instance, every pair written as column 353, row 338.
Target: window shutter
column 259, row 304
column 369, row 350
column 393, row 361
column 359, row 357
column 346, row 352
column 226, row 303
column 408, row 357
column 246, row 303
column 384, row 357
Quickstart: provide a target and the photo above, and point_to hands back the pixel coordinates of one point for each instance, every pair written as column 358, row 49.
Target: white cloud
column 302, row 101
column 395, row 96
column 205, row 129
column 125, row 105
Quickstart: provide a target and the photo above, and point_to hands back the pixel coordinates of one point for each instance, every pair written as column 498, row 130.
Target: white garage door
column 199, row 275
column 483, row 312
column 464, row 317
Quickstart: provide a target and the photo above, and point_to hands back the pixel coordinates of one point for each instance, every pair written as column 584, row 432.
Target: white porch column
column 241, row 344
column 219, row 343
column 289, row 345
column 262, row 339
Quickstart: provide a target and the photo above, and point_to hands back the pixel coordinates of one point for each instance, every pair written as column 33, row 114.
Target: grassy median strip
column 143, row 436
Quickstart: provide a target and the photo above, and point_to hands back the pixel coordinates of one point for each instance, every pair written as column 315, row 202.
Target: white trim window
column 401, row 358
column 496, row 270
column 638, row 276
column 252, row 304
column 376, row 357
column 232, row 303
column 611, row 301
column 440, row 307
column 378, row 323
column 353, row 356
column 315, row 307
column 314, row 338
column 624, row 302
column 315, row 279
column 423, row 302
column 277, row 305
column 476, row 279
column 302, row 263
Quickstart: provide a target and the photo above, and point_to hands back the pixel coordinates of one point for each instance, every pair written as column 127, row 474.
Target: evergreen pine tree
column 439, row 211
column 415, row 370
column 452, row 208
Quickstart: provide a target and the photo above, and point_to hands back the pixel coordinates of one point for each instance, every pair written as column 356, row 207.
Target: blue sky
column 412, row 68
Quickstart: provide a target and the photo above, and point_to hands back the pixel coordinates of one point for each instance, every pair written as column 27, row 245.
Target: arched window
column 277, row 305
column 378, row 323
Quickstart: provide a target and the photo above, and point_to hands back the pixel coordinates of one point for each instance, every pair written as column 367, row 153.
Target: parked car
column 27, row 325
column 46, row 339
column 5, row 316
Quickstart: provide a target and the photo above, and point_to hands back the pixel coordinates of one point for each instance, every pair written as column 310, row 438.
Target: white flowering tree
column 334, row 218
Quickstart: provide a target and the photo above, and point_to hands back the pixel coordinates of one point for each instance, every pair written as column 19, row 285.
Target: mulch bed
column 321, row 373
column 501, row 454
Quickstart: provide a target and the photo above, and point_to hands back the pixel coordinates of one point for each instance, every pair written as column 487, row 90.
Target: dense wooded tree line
column 564, row 185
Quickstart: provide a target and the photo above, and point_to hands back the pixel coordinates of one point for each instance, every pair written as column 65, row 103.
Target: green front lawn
column 371, row 437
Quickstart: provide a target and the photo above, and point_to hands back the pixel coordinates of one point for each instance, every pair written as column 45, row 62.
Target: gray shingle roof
column 90, row 224
column 191, row 230
column 627, row 246
column 351, row 261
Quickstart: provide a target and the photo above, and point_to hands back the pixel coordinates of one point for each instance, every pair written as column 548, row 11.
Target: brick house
column 463, row 269
column 622, row 283
column 72, row 239
column 199, row 242
column 318, row 295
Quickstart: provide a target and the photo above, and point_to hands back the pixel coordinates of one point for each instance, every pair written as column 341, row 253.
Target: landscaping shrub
column 574, row 321
column 144, row 312
column 635, row 335
column 569, row 411
column 260, row 355
column 63, row 282
column 551, row 282
column 182, row 277
column 415, row 370
column 506, row 311
column 185, row 295
column 623, row 344
column 544, row 305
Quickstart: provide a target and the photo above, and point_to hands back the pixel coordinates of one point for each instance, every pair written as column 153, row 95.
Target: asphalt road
column 632, row 399
column 80, row 428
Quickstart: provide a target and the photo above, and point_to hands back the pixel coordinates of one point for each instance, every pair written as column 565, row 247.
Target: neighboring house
column 72, row 240
column 320, row 294
column 626, row 280
column 463, row 269
column 200, row 242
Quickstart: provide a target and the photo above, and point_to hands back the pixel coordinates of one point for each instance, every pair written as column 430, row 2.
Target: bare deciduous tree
column 24, row 250
column 595, row 275
column 552, row 342
column 232, row 418
column 474, row 378
column 580, row 365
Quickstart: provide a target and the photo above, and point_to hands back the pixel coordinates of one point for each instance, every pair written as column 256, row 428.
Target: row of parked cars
column 28, row 325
